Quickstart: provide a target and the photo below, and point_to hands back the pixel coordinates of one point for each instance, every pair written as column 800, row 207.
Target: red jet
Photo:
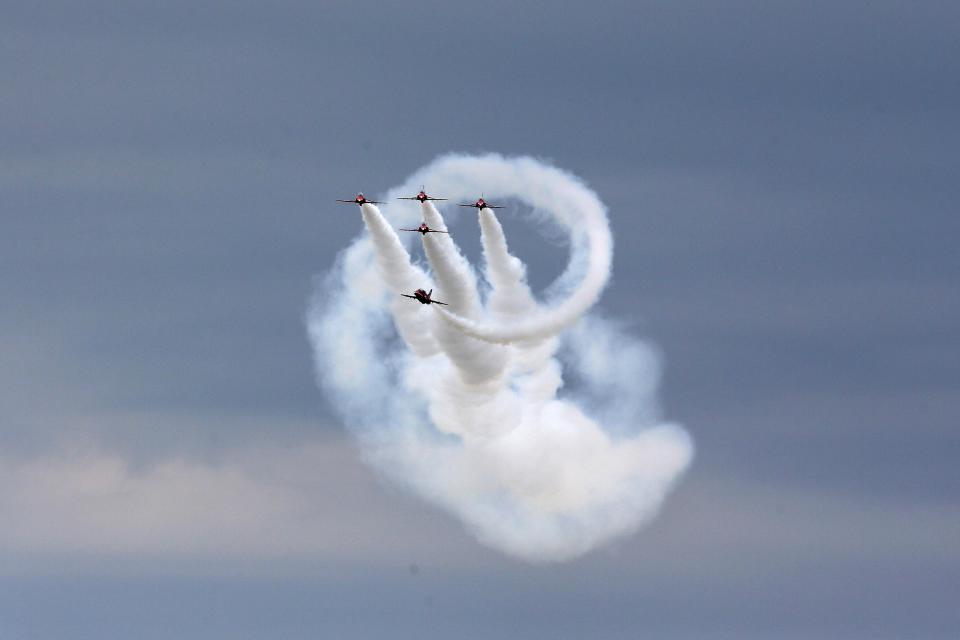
column 423, row 297
column 481, row 204
column 360, row 200
column 423, row 229
column 422, row 197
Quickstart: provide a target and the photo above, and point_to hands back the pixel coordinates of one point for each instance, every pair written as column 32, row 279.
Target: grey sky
column 781, row 179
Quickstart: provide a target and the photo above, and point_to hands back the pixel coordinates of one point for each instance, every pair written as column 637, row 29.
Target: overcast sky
column 782, row 184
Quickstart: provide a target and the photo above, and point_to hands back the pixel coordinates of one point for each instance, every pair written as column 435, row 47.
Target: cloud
column 264, row 509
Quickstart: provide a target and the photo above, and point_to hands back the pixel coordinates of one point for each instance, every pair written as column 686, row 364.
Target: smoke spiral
column 468, row 407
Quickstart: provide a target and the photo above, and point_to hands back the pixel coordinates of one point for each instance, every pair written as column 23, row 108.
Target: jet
column 423, row 229
column 422, row 197
column 481, row 204
column 423, row 297
column 360, row 200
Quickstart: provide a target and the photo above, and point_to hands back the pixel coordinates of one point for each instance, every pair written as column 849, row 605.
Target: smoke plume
column 465, row 404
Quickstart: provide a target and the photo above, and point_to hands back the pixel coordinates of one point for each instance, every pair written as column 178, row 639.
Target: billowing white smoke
column 463, row 403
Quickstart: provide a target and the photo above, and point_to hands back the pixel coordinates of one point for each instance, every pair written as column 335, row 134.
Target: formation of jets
column 421, row 296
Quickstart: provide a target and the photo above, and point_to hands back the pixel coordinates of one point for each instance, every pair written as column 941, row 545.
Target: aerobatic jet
column 360, row 200
column 423, row 297
column 422, row 197
column 423, row 229
column 481, row 204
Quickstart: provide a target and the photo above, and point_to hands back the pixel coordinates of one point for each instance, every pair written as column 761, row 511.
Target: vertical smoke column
column 511, row 299
column 400, row 276
column 463, row 403
column 477, row 362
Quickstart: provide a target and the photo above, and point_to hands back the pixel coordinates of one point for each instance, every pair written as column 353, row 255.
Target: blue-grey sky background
column 782, row 184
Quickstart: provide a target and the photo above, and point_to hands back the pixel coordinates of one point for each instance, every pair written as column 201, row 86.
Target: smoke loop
column 467, row 407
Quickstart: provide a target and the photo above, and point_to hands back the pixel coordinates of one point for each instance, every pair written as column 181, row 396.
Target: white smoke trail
column 579, row 211
column 511, row 297
column 472, row 415
column 399, row 275
column 476, row 361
